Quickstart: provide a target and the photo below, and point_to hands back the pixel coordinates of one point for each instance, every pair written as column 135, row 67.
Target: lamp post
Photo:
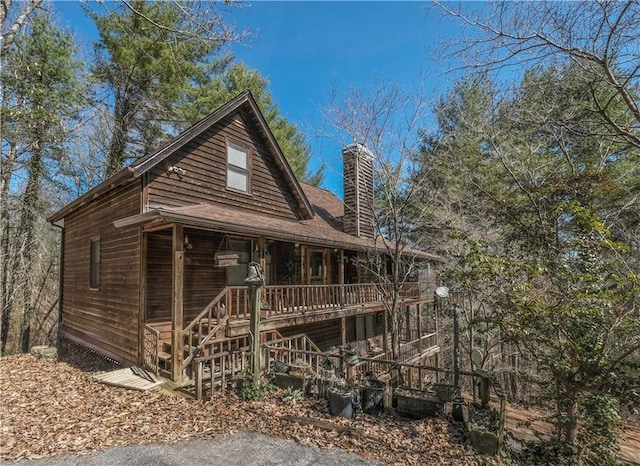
column 454, row 297
column 254, row 281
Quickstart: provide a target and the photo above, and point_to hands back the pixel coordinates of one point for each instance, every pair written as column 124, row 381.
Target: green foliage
column 291, row 395
column 543, row 231
column 147, row 57
column 252, row 390
column 42, row 97
column 214, row 91
column 597, row 437
column 162, row 77
column 41, row 85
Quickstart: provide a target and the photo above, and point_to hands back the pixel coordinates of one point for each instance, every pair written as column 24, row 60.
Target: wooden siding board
column 107, row 317
column 204, row 159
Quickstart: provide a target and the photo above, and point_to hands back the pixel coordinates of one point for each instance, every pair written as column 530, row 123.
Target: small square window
column 237, row 167
column 94, row 264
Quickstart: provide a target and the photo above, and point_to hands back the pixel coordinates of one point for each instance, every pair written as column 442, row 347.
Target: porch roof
column 316, row 231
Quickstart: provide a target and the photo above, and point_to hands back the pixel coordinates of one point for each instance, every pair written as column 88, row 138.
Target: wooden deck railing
column 293, row 299
column 232, row 303
column 213, row 370
column 205, row 325
column 289, row 299
column 415, row 348
column 299, row 349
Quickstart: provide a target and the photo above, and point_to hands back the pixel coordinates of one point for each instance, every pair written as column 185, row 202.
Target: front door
column 317, row 260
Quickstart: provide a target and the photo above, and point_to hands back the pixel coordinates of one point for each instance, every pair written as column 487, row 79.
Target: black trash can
column 373, row 397
column 341, row 404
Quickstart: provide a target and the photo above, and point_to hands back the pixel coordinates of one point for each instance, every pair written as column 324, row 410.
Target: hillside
column 50, row 408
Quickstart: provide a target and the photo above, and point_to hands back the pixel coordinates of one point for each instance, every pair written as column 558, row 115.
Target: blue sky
column 306, row 48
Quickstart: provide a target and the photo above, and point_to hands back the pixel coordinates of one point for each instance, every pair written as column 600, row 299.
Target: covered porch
column 192, row 300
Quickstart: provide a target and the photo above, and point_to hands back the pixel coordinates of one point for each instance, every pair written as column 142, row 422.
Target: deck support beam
column 177, row 307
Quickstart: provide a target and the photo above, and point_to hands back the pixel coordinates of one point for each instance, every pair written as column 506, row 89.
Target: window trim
column 247, row 150
column 95, row 268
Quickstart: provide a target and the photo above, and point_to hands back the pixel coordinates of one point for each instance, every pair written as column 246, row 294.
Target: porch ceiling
column 217, row 217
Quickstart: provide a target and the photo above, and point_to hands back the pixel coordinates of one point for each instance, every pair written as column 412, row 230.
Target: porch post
column 341, row 278
column 254, row 281
column 408, row 323
column 142, row 311
column 419, row 323
column 177, row 285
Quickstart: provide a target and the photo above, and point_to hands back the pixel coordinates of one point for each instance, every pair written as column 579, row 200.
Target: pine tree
column 42, row 97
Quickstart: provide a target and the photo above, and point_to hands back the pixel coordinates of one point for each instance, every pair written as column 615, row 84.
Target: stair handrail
column 205, row 340
column 312, row 345
column 206, row 310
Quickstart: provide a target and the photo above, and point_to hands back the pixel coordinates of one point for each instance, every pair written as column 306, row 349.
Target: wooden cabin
column 154, row 258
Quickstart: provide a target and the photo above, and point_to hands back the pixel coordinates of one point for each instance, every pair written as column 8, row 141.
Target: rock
column 485, row 443
column 47, row 352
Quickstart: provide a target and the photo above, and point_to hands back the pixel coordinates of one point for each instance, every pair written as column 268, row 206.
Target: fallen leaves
column 50, row 408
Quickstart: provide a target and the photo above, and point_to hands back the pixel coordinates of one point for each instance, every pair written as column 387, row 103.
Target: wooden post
column 142, row 311
column 254, row 281
column 303, row 265
column 419, row 324
column 343, row 331
column 407, row 319
column 177, row 342
column 341, row 278
column 385, row 340
column 198, row 376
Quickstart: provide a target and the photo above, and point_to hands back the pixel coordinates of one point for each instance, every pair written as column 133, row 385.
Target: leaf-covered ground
column 50, row 408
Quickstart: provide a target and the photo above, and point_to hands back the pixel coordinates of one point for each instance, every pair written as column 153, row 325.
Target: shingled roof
column 324, row 229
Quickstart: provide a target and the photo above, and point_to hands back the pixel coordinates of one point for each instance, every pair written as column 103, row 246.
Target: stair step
column 162, row 356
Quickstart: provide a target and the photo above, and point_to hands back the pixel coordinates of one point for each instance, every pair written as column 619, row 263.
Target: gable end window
column 94, row 264
column 238, row 167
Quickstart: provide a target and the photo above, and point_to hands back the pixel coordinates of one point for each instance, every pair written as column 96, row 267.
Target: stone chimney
column 358, row 190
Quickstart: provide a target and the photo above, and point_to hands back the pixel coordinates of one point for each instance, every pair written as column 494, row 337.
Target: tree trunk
column 395, row 331
column 6, row 255
column 122, row 116
column 28, row 232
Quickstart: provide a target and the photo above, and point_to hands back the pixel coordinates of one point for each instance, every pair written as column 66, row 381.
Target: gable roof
column 148, row 161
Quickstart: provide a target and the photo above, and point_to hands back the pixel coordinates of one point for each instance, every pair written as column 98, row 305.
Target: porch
column 343, row 314
column 192, row 301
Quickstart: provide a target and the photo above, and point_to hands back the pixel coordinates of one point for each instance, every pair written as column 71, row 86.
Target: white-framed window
column 238, row 167
column 94, row 263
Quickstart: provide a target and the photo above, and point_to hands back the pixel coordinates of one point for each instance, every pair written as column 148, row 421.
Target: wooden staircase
column 211, row 332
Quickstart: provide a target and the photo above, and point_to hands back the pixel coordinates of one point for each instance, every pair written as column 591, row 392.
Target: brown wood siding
column 202, row 280
column 104, row 318
column 204, row 160
column 159, row 258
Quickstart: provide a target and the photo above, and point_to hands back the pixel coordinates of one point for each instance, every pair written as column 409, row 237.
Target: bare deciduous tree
column 386, row 120
column 599, row 37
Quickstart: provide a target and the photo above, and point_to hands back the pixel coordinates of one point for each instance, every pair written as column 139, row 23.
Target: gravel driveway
column 241, row 449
